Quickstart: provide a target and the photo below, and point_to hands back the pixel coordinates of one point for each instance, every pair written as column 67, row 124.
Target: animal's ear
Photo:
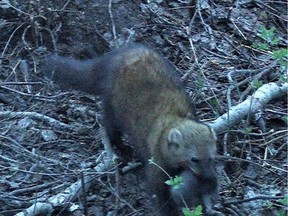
column 175, row 137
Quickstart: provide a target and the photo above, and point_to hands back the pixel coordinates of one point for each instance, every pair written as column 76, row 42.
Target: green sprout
column 196, row 212
column 175, row 182
column 256, row 84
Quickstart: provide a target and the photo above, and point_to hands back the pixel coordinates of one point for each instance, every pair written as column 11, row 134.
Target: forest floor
column 50, row 138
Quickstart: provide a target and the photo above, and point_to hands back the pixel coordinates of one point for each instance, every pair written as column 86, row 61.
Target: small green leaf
column 200, row 83
column 263, row 47
column 256, row 84
column 248, row 130
column 282, row 78
column 282, row 56
column 186, row 212
column 213, row 102
column 275, row 41
column 270, row 205
column 175, row 182
column 178, row 179
column 198, row 210
column 281, row 206
column 281, row 53
column 269, row 35
column 151, row 160
column 282, row 212
column 170, row 182
column 260, row 46
column 284, row 201
column 285, row 118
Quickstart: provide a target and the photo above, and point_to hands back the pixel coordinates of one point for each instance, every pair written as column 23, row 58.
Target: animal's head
column 193, row 144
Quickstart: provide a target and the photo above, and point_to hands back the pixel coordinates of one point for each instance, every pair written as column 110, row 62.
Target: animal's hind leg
column 115, row 137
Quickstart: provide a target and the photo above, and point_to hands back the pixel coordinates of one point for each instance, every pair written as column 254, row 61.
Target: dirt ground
column 40, row 156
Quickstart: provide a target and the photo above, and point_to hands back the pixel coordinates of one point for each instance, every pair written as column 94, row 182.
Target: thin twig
column 20, row 83
column 10, row 38
column 261, row 197
column 112, row 23
column 84, row 196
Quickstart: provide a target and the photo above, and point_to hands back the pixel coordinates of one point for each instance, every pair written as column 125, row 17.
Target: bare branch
column 36, row 116
column 258, row 100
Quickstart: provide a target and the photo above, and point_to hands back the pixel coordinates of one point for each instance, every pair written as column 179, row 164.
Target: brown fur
column 144, row 99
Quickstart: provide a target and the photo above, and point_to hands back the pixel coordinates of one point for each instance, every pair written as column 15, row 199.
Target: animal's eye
column 194, row 160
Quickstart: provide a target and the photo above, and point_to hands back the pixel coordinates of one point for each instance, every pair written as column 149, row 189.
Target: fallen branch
column 66, row 197
column 36, row 116
column 241, row 200
column 258, row 100
column 63, row 198
column 47, row 207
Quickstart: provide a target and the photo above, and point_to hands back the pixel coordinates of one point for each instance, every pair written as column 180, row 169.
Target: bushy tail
column 94, row 76
column 87, row 75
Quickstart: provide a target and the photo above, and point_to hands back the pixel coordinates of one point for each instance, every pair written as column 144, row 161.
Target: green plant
column 283, row 204
column 256, row 84
column 175, row 182
column 281, row 55
column 200, row 83
column 283, row 78
column 248, row 130
column 214, row 103
column 285, row 118
column 270, row 40
column 268, row 36
column 196, row 212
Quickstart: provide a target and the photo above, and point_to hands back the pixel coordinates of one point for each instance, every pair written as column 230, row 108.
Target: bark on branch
column 258, row 100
